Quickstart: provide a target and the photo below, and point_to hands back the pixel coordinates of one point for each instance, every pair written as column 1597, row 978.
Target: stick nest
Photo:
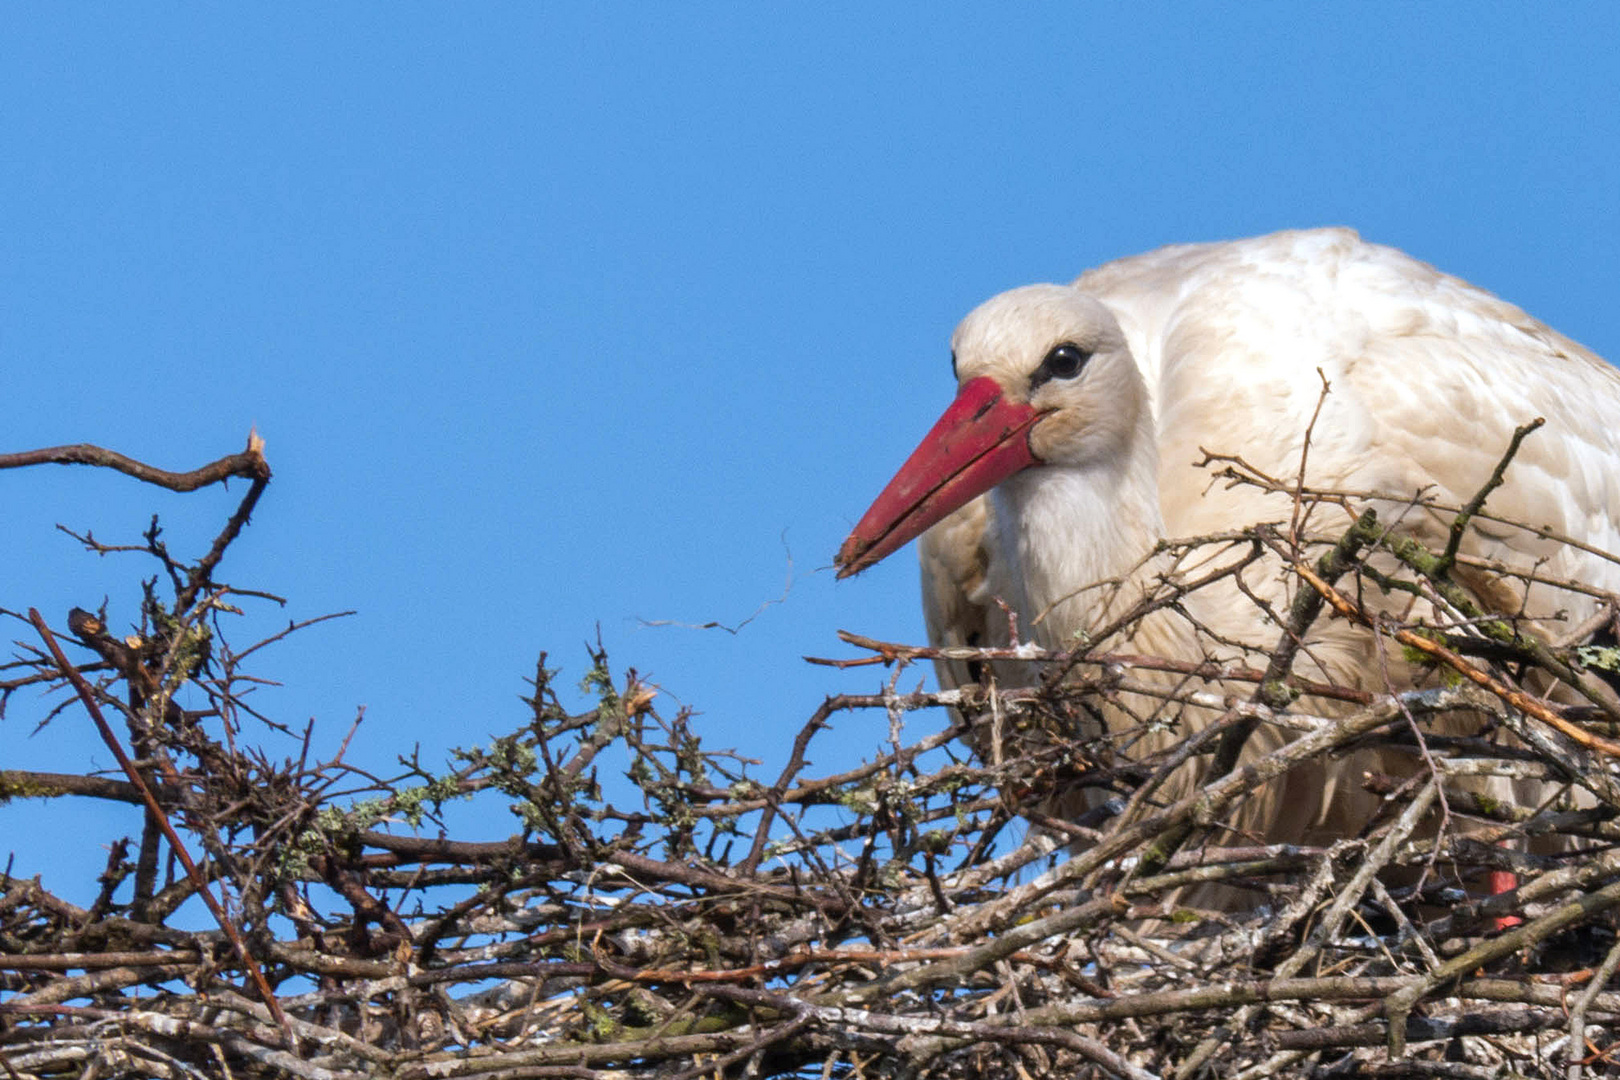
column 662, row 910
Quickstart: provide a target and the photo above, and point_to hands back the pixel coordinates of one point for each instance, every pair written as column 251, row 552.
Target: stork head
column 1044, row 377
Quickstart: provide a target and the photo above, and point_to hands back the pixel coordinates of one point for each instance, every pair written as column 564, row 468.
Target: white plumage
column 1218, row 346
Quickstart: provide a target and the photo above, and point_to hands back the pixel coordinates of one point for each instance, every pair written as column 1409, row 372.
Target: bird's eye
column 1065, row 361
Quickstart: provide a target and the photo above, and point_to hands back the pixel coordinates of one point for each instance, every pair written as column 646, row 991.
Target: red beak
column 980, row 441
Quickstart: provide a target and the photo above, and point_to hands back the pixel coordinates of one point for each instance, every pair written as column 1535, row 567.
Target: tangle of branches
column 662, row 910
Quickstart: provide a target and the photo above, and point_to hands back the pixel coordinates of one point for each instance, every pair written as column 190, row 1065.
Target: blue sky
column 563, row 317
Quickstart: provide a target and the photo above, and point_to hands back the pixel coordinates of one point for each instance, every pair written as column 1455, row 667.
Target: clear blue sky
column 555, row 317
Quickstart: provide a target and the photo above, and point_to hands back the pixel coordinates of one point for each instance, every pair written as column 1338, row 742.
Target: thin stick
column 1459, row 524
column 249, row 463
column 1304, row 460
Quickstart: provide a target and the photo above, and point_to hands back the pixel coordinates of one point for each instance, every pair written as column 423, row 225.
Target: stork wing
column 1452, row 382
column 1430, row 375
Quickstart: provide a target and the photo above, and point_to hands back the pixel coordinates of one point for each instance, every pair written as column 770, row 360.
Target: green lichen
column 1278, row 694
column 857, row 800
column 1416, row 656
column 1601, row 657
column 600, row 1024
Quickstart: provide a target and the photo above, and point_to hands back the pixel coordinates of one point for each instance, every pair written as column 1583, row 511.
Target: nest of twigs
column 923, row 915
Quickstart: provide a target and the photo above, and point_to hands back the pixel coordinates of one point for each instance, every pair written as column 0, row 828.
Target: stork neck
column 1065, row 527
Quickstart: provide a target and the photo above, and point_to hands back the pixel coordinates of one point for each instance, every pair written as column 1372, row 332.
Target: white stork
column 1082, row 409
